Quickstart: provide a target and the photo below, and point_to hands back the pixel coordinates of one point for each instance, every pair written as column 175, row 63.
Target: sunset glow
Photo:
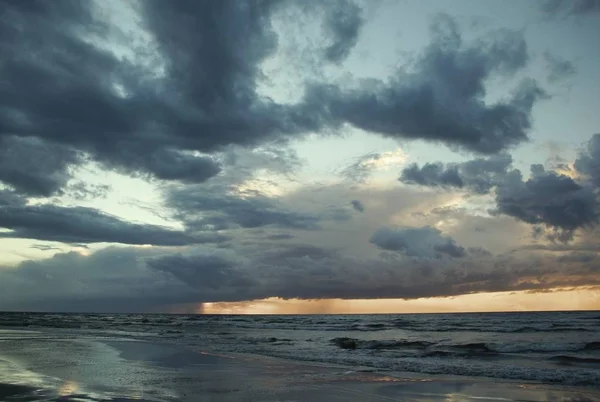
column 559, row 299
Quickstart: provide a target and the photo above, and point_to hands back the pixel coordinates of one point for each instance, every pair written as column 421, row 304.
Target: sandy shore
column 49, row 367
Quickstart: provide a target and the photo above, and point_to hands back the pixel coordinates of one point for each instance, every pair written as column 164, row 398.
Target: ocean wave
column 592, row 346
column 460, row 354
column 351, row 343
column 479, row 347
column 526, row 329
column 488, row 345
column 432, row 349
column 536, row 347
column 412, row 323
column 361, row 359
column 575, row 359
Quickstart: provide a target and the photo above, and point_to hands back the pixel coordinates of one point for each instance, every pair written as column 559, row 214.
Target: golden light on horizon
column 68, row 388
column 557, row 299
column 84, row 252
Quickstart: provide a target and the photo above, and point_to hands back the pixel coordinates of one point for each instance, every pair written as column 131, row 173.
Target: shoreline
column 85, row 368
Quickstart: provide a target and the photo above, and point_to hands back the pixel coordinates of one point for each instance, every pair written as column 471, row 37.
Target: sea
column 546, row 347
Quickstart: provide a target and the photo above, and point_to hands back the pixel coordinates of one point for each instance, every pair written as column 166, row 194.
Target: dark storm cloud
column 171, row 164
column 112, row 279
column 357, row 205
column 558, row 69
column 478, row 175
column 204, row 208
column 295, row 251
column 205, row 100
column 548, row 198
column 343, row 22
column 86, row 225
column 441, row 97
column 432, row 175
column 193, row 88
column 10, row 198
column 425, row 242
column 201, row 271
column 35, row 167
column 570, row 7
column 213, row 51
column 118, row 279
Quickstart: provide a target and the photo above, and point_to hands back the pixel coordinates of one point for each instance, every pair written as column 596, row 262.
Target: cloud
column 296, row 251
column 588, row 161
column 84, row 191
column 479, row 175
column 45, row 247
column 440, row 97
column 172, row 164
column 553, row 200
column 274, row 158
column 112, row 279
column 199, row 97
column 10, row 198
column 279, row 236
column 548, row 198
column 185, row 88
column 479, row 252
column 585, row 258
column 423, row 242
column 558, row 69
column 35, row 167
column 141, row 279
column 432, row 175
column 174, row 97
column 570, row 7
column 84, row 225
column 357, row 205
column 202, row 208
column 366, row 165
column 343, row 22
column 201, row 271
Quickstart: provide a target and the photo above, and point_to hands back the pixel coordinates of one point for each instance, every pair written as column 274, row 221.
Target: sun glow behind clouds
column 386, row 160
column 558, row 299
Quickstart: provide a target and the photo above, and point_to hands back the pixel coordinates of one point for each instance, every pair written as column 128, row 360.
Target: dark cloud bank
column 140, row 279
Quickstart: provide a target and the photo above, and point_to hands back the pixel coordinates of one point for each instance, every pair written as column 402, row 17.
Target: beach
column 77, row 365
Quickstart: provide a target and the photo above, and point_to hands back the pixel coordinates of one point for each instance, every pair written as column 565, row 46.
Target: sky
column 282, row 156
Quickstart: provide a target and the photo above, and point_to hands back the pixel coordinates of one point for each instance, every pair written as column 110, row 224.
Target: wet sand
column 50, row 367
